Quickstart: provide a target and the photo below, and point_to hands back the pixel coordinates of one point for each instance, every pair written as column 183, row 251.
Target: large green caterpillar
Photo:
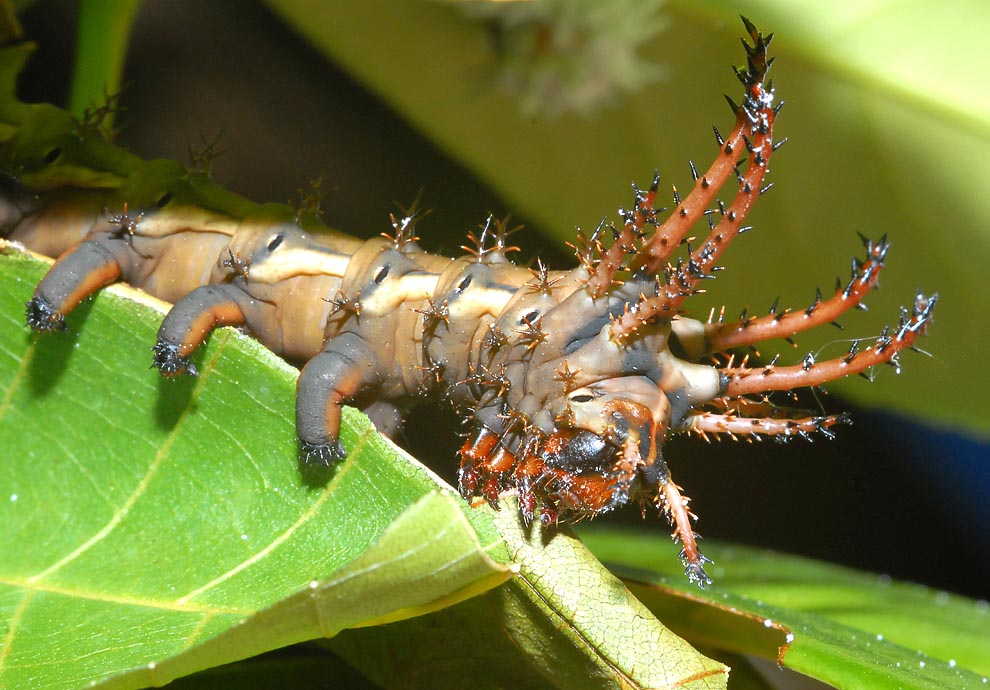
column 569, row 381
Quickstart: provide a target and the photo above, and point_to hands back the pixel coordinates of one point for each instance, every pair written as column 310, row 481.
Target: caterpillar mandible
column 569, row 381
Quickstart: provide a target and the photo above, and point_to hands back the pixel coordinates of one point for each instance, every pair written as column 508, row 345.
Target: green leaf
column 887, row 135
column 148, row 522
column 428, row 558
column 576, row 624
column 847, row 628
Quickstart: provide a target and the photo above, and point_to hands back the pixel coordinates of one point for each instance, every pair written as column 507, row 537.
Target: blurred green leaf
column 102, row 36
column 847, row 628
column 888, row 134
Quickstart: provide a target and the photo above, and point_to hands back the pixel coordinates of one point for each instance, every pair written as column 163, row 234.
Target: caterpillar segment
column 152, row 232
column 265, row 279
column 48, row 223
column 569, row 382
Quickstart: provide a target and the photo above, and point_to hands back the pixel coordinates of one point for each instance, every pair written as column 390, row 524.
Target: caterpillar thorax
column 569, row 381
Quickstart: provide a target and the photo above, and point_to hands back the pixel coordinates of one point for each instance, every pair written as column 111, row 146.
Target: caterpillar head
column 605, row 448
column 583, row 413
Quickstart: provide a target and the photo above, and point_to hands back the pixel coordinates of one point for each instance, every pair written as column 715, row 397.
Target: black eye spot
column 382, row 274
column 529, row 317
column 274, row 242
column 582, row 398
column 163, row 199
column 53, row 155
column 463, row 285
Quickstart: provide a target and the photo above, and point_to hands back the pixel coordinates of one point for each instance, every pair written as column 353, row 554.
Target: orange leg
column 346, row 367
column 675, row 507
column 473, row 453
column 76, row 275
column 189, row 322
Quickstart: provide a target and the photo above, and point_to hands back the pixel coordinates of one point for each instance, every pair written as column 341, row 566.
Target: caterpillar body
column 569, row 381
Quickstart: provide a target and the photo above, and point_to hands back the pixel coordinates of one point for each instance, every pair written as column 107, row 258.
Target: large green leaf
column 148, row 523
column 846, row 628
column 888, row 134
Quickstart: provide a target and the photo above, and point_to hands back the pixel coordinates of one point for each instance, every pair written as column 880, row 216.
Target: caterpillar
column 569, row 381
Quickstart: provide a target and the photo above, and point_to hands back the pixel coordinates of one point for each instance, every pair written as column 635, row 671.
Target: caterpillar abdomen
column 49, row 224
column 569, row 381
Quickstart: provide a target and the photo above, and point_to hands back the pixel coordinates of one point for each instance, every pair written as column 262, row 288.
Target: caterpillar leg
column 475, row 451
column 345, row 367
column 191, row 320
column 674, row 505
column 485, row 466
column 668, row 498
column 76, row 275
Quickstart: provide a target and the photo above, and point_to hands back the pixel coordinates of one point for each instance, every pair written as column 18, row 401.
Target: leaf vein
column 142, row 485
column 305, row 517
